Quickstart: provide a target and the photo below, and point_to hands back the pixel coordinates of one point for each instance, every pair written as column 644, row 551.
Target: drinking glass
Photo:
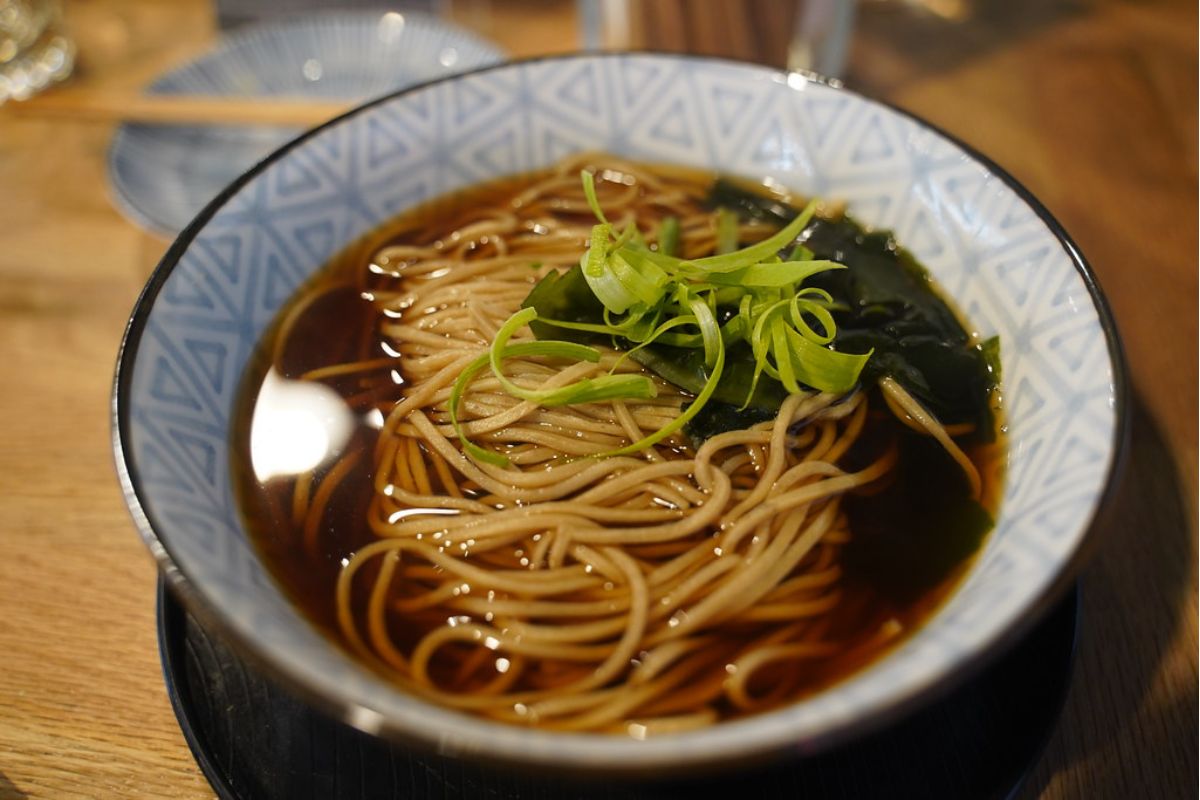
column 34, row 50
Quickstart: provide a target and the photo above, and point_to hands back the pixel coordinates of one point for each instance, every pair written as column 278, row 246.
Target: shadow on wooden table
column 8, row 791
column 1134, row 591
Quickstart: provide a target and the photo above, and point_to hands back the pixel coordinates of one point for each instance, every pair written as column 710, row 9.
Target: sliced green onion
column 709, row 330
column 773, row 275
column 760, row 345
column 496, row 357
column 593, row 260
column 460, row 385
column 645, row 284
column 588, row 327
column 659, row 334
column 668, row 236
column 603, row 281
column 821, row 368
column 783, row 357
column 728, row 231
column 669, row 263
column 647, row 263
column 595, row 390
column 800, row 253
column 735, row 330
column 825, row 298
column 552, row 349
column 589, row 191
column 756, row 253
column 706, row 392
column 799, row 308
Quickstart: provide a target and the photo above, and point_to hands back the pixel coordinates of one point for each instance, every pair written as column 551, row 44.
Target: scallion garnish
column 728, row 231
column 668, row 236
column 648, row 294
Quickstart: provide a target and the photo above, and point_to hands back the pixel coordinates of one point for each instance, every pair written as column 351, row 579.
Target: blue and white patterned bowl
column 163, row 175
column 999, row 253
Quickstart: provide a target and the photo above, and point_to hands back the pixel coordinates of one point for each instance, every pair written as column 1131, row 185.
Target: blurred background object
column 34, row 49
column 232, row 13
column 163, row 175
column 794, row 34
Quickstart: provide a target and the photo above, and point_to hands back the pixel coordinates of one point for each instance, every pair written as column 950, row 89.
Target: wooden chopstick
column 177, row 109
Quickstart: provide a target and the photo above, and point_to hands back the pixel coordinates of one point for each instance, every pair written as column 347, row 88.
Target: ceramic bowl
column 161, row 176
column 989, row 243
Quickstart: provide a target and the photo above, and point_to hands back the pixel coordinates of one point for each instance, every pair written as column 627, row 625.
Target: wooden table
column 1092, row 105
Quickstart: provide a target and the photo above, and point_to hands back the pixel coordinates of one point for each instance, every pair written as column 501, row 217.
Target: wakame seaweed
column 886, row 302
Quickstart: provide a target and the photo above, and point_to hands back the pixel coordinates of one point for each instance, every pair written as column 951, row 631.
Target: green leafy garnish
column 728, row 227
column 668, row 236
column 679, row 317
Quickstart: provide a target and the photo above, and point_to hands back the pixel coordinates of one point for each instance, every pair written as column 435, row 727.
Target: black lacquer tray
column 254, row 740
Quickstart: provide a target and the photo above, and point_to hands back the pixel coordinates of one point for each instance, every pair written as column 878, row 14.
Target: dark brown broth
column 334, row 323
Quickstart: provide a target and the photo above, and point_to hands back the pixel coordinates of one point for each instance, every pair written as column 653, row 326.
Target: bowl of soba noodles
column 625, row 413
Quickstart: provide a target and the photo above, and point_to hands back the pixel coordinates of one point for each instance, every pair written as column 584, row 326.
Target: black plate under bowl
column 253, row 739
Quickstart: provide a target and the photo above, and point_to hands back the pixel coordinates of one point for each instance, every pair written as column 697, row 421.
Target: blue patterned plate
column 993, row 247
column 163, row 175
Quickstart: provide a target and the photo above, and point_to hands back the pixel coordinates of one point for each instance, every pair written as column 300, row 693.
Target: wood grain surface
column 1090, row 103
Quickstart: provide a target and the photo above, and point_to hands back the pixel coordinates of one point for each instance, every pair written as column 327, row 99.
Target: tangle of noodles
column 645, row 594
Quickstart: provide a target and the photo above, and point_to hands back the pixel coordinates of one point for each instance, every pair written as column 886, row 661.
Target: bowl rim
column 365, row 719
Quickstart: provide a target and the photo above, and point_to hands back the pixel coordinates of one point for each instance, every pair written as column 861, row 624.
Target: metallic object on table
column 821, row 36
column 233, row 13
column 34, row 50
column 793, row 34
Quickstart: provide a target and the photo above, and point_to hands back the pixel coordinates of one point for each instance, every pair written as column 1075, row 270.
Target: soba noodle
column 645, row 593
